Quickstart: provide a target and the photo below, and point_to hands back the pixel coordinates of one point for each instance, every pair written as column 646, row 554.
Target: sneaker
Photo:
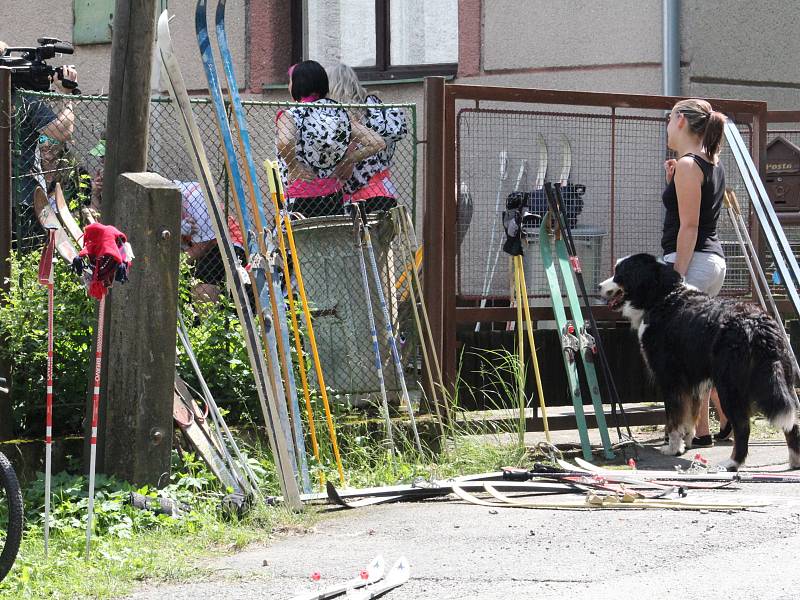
column 704, row 441
column 725, row 433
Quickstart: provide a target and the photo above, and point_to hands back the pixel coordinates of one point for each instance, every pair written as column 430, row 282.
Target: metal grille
column 618, row 157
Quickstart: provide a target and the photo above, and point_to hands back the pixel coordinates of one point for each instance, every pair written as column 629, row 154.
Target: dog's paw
column 794, row 460
column 728, row 465
column 670, row 450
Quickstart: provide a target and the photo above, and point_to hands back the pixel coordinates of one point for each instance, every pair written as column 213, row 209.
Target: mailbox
column 783, row 175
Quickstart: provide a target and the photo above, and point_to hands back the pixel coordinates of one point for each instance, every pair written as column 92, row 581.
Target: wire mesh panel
column 615, row 164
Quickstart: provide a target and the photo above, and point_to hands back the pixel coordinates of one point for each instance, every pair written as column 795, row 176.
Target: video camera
column 29, row 69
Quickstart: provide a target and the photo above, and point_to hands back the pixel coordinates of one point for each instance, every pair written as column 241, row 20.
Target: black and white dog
column 690, row 342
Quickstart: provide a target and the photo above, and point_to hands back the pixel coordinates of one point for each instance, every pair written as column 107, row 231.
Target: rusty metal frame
column 441, row 168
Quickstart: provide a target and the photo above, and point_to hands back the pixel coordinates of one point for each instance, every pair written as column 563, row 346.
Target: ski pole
column 512, row 279
column 487, row 278
column 279, row 309
column 312, row 340
column 272, row 176
column 407, row 226
column 398, row 366
column 520, row 350
column 753, row 265
column 46, row 279
column 409, row 254
column 371, row 316
column 98, row 358
column 526, row 307
column 219, row 422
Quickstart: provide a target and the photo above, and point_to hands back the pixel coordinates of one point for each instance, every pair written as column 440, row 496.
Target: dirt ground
column 459, row 550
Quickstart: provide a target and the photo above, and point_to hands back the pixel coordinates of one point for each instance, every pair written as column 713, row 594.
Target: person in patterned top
column 318, row 145
column 371, row 181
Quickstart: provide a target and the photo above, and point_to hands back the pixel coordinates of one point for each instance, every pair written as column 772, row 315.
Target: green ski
column 570, row 345
column 586, row 346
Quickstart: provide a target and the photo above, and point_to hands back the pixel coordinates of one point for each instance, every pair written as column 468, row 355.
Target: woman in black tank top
column 693, row 199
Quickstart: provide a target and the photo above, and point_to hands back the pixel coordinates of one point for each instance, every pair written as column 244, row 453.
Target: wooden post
column 137, row 392
column 127, row 124
column 6, row 420
column 433, row 215
column 127, row 129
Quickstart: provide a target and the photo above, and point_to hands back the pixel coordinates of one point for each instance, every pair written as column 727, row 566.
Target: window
column 382, row 39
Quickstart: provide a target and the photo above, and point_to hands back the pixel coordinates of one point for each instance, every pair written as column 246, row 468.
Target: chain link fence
column 315, row 145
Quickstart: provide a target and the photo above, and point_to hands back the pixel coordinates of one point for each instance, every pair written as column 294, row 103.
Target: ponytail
column 712, row 138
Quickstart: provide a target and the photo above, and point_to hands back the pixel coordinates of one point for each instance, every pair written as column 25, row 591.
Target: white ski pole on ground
column 98, row 360
column 46, row 279
column 486, row 276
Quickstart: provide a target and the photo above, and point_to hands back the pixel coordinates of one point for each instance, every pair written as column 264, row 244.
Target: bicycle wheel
column 10, row 516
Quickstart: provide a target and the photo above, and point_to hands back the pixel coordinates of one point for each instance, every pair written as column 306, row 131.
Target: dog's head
column 639, row 282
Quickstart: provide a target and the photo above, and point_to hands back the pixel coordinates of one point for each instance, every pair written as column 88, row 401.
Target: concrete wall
column 740, row 49
column 732, row 48
column 572, row 33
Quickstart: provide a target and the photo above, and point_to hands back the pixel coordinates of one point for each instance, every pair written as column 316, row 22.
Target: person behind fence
column 371, row 181
column 96, row 197
column 35, row 117
column 693, row 200
column 59, row 165
column 318, row 144
column 199, row 242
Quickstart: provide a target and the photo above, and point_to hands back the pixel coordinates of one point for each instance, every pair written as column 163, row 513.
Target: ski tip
column 401, row 570
column 376, row 567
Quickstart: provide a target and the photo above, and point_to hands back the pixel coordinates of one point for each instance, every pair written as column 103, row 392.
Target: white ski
column 396, row 577
column 370, row 576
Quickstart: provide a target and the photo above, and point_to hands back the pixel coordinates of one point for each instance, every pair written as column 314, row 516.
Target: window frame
column 383, row 69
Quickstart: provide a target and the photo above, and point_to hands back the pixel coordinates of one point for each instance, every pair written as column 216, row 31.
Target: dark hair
column 309, row 78
column 705, row 122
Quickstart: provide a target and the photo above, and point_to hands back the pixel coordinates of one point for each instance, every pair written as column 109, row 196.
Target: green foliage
column 23, row 327
column 129, row 544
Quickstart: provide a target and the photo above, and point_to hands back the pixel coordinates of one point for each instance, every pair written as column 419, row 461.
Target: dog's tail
column 772, row 383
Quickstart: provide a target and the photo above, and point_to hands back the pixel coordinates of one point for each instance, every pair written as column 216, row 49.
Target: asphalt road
column 460, row 550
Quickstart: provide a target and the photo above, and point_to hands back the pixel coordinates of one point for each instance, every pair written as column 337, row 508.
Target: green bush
column 23, row 329
column 217, row 341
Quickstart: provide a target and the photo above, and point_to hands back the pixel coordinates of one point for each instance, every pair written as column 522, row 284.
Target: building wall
column 743, row 50
column 18, row 28
column 731, row 48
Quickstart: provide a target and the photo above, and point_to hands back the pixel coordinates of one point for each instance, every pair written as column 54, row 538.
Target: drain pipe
column 671, row 65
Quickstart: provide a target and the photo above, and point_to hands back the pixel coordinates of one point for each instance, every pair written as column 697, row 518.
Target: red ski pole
column 109, row 256
column 98, row 360
column 46, row 279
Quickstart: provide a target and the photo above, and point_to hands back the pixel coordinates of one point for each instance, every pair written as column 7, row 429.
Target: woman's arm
column 688, row 181
column 286, row 137
column 364, row 143
column 286, row 143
